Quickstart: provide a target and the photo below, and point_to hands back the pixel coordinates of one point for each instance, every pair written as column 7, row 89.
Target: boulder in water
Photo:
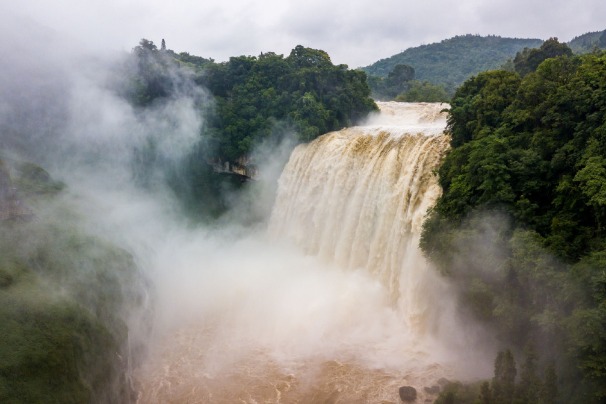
column 408, row 393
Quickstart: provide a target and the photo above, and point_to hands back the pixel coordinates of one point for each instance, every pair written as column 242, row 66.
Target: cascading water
column 336, row 304
column 358, row 197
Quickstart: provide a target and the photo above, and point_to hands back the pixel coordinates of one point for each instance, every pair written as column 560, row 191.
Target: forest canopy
column 256, row 97
column 520, row 224
column 243, row 102
column 452, row 61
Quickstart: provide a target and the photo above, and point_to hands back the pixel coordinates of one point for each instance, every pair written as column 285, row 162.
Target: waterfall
column 335, row 303
column 358, row 197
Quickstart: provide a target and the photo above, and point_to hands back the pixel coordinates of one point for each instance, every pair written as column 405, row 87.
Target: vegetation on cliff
column 520, row 225
column 243, row 103
column 64, row 300
column 256, row 98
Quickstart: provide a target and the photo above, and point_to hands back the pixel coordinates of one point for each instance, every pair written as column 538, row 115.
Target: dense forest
column 255, row 100
column 63, row 298
column 450, row 62
column 256, row 97
column 588, row 42
column 520, row 225
column 437, row 70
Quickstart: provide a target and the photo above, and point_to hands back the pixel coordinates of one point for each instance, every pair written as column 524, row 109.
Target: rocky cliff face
column 243, row 167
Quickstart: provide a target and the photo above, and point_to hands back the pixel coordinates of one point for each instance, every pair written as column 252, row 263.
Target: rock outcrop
column 408, row 393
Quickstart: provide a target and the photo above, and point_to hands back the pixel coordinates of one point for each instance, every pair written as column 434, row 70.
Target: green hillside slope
column 454, row 60
column 588, row 42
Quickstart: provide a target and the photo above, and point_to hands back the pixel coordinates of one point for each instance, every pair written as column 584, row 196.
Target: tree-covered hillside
column 454, row 60
column 254, row 98
column 588, row 42
column 520, row 225
column 65, row 297
column 244, row 102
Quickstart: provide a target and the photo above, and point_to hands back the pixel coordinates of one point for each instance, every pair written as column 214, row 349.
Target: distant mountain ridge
column 452, row 61
column 588, row 42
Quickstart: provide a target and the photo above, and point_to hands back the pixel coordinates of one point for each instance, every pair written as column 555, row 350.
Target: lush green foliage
column 400, row 85
column 252, row 101
column 528, row 60
column 397, row 81
column 459, row 393
column 63, row 299
column 258, row 96
column 450, row 62
column 531, row 149
column 255, row 98
column 588, row 42
column 424, row 92
column 530, row 387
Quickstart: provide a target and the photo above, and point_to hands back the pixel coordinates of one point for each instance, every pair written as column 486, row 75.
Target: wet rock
column 408, row 393
column 432, row 390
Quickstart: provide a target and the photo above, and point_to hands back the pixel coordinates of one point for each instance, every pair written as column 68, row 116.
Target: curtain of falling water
column 358, row 198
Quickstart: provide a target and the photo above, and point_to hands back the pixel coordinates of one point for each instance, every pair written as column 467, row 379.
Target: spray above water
column 409, row 118
column 335, row 303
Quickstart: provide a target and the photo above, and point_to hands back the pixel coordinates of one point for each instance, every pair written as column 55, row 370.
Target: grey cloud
column 356, row 33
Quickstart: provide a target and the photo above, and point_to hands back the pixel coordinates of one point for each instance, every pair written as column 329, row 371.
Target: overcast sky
column 354, row 32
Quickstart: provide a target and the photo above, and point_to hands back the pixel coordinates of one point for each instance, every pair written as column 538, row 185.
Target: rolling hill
column 452, row 61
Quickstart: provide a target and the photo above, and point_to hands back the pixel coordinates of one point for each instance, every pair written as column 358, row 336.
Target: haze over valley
column 274, row 225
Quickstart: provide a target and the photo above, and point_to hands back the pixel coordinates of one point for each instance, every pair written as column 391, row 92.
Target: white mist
column 335, row 302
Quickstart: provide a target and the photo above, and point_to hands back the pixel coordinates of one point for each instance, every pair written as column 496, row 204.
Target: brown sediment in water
column 187, row 371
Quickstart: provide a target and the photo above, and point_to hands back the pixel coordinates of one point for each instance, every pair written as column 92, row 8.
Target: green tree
column 592, row 182
column 256, row 100
column 549, row 391
column 397, row 81
column 503, row 382
column 451, row 62
column 401, row 74
column 528, row 60
column 531, row 150
column 485, row 394
column 478, row 106
column 424, row 92
column 147, row 44
column 303, row 91
column 529, row 387
column 301, row 56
